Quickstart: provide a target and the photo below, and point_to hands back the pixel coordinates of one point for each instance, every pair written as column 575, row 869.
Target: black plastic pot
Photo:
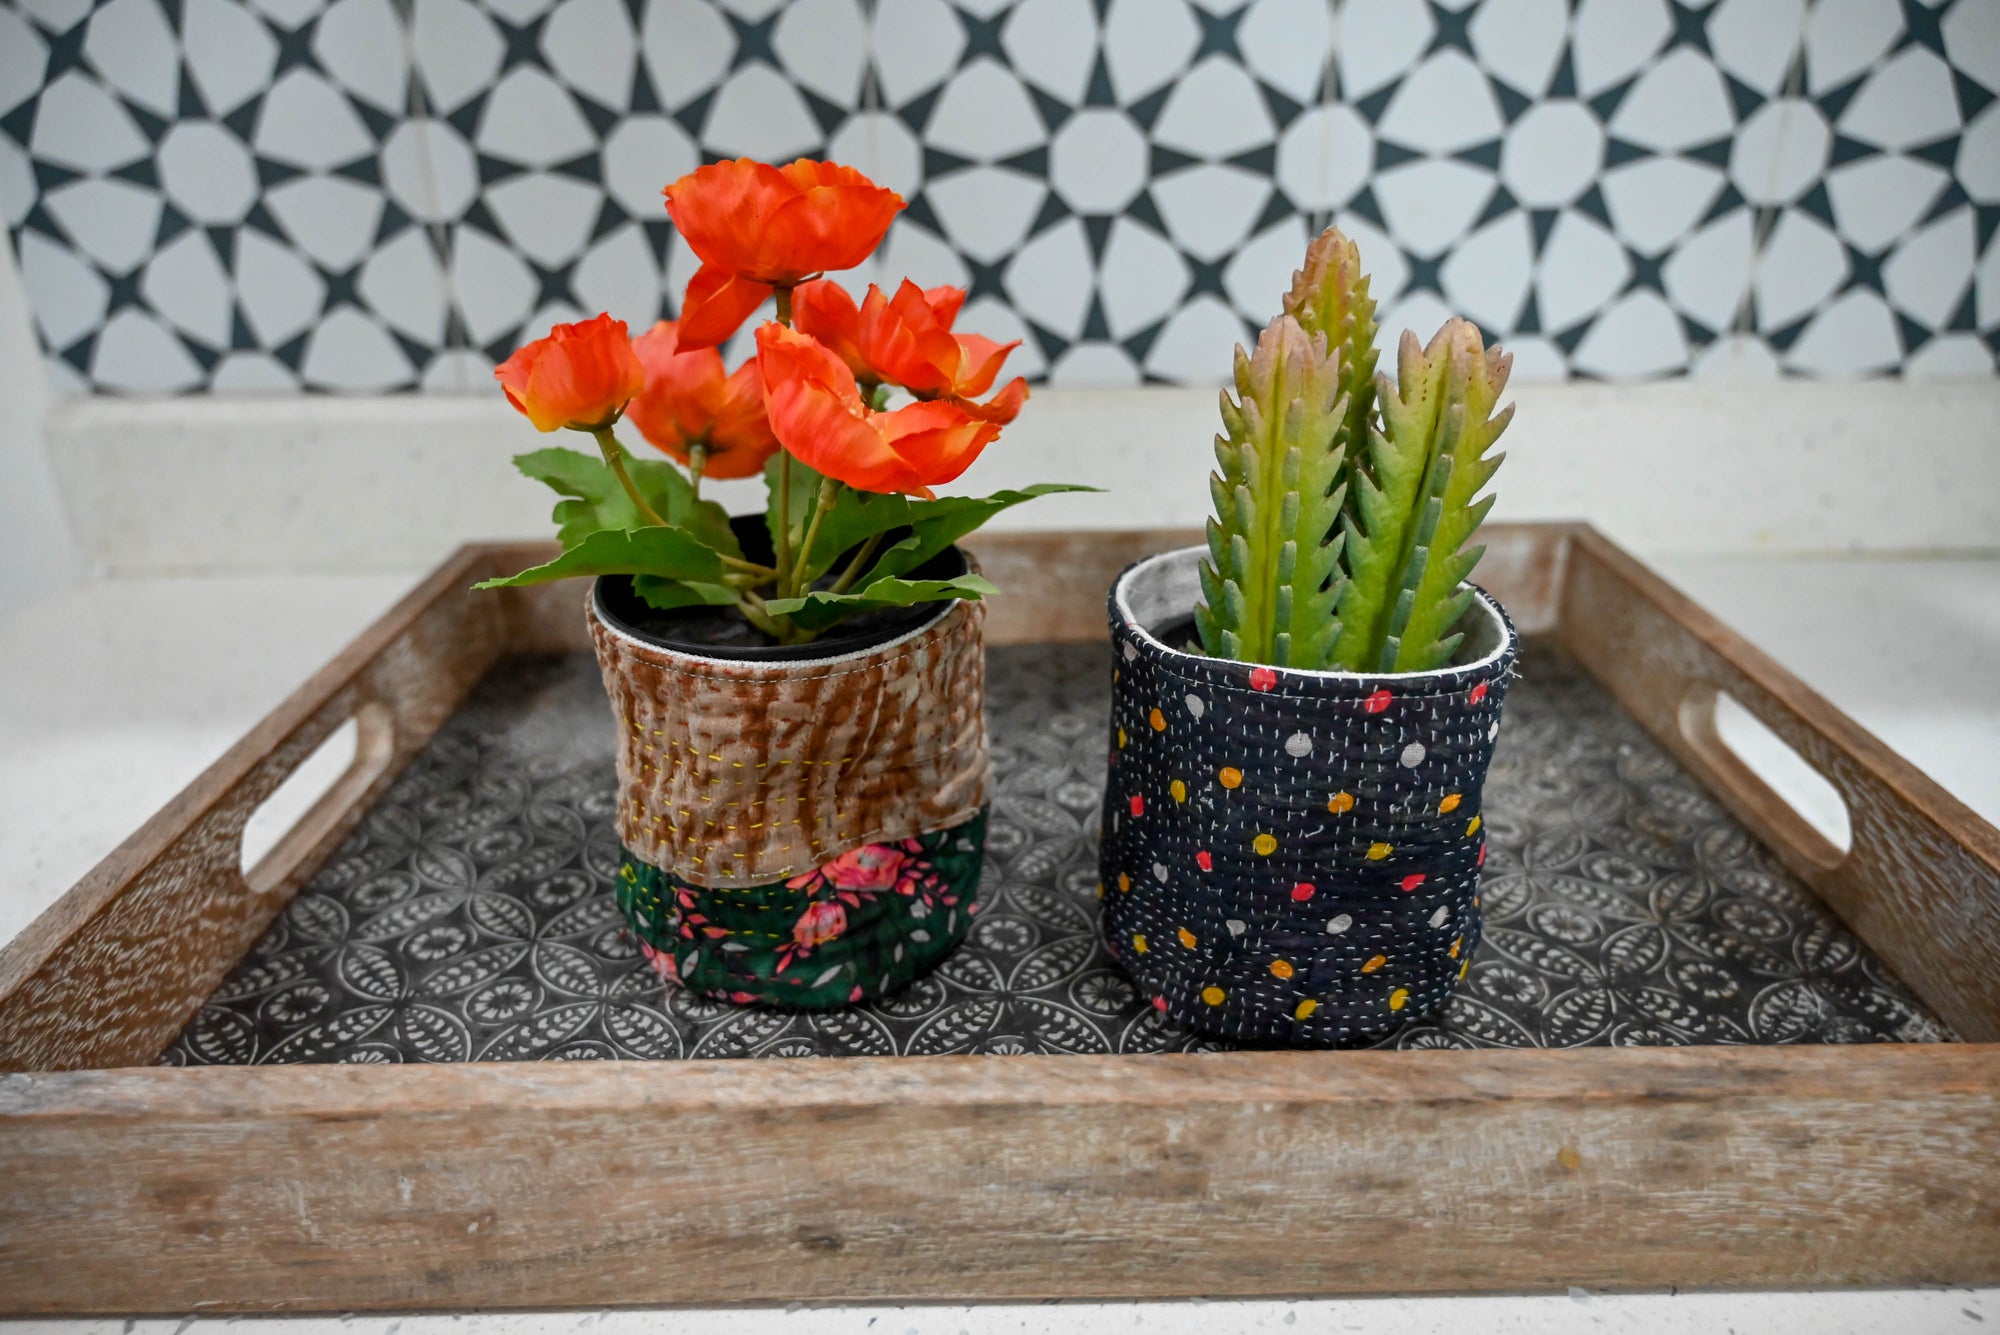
column 1292, row 857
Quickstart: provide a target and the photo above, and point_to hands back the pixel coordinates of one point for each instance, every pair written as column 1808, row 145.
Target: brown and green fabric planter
column 803, row 826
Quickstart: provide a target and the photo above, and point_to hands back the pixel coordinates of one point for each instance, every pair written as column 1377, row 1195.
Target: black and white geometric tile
column 371, row 195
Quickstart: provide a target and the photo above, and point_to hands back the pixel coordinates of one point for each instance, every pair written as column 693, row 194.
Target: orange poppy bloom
column 908, row 338
column 818, row 414
column 581, row 376
column 688, row 400
column 823, row 309
column 757, row 228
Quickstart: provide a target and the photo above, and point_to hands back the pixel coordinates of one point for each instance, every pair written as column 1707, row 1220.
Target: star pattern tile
column 384, row 195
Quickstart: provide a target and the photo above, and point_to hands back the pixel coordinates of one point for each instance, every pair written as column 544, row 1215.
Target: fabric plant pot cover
column 800, row 828
column 1292, row 857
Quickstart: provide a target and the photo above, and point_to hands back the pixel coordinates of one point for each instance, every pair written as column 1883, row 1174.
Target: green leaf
column 597, row 501
column 819, row 610
column 668, row 553
column 936, row 525
column 668, row 595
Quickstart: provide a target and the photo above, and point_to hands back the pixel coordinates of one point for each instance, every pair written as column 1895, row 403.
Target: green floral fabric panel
column 862, row 926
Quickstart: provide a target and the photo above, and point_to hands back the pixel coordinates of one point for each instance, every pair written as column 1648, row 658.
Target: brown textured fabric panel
column 741, row 773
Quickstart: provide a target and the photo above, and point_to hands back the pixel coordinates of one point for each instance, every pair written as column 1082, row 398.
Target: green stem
column 614, row 454
column 855, row 567
column 827, row 490
column 697, row 465
column 783, row 296
column 784, row 519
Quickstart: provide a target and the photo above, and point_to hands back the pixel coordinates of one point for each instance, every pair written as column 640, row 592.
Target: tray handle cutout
column 1740, row 754
column 313, row 798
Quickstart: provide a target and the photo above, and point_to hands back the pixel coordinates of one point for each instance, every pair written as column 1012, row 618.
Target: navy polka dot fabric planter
column 1292, row 857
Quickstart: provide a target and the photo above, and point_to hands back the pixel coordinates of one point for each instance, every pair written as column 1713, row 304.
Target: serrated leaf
column 667, row 553
column 819, row 609
column 597, row 502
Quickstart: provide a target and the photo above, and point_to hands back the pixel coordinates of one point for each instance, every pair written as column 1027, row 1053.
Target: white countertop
column 114, row 695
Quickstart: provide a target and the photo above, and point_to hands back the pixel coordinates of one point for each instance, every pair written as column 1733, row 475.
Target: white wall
column 36, row 554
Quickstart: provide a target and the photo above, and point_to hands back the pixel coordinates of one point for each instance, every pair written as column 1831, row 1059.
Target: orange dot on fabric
column 1214, row 996
column 1178, row 789
column 1230, row 776
column 1472, row 826
column 1372, row 965
column 1449, row 805
column 1376, row 852
column 1187, row 938
column 1265, row 845
column 1158, row 720
column 1340, row 802
column 1138, row 943
column 1305, row 1010
column 1398, row 997
column 1455, row 945
column 1281, row 969
column 1124, row 882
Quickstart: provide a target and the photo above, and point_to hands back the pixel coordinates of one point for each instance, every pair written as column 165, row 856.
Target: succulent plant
column 1345, row 503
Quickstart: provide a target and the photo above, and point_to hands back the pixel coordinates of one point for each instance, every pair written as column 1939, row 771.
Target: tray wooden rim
column 1660, row 654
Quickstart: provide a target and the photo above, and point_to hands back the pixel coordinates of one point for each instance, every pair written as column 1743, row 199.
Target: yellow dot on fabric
column 1449, row 805
column 1339, row 802
column 1281, row 969
column 1138, row 943
column 1372, row 965
column 1231, row 776
column 1121, row 739
column 1187, row 938
column 1463, row 966
column 1158, row 720
column 1213, row 995
column 1472, row 826
column 1265, row 845
column 1124, row 882
column 1305, row 1010
column 1100, row 889
column 1178, row 789
column 1376, row 852
column 1398, row 997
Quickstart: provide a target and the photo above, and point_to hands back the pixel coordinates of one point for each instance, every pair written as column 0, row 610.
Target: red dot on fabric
column 1412, row 881
column 1262, row 679
column 1377, row 702
column 1138, row 805
column 1302, row 891
column 1478, row 693
column 1204, row 861
column 1160, row 1004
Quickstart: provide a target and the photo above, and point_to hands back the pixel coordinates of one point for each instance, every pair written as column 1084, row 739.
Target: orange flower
column 688, row 400
column 581, row 376
column 823, row 309
column 908, row 339
column 817, row 412
column 757, row 228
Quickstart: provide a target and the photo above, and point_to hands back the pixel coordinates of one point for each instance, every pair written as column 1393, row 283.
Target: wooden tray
column 136, row 1188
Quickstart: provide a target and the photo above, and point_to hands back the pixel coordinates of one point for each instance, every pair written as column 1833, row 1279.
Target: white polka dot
column 1237, row 926
column 1340, row 924
column 1160, row 872
column 1298, row 744
column 1493, row 731
column 1413, row 755
column 1131, row 651
column 1437, row 919
column 1195, row 706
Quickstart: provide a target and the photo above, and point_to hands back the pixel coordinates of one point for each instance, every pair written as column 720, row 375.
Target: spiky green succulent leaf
column 1384, row 485
column 1272, row 577
column 1439, row 559
column 1329, row 296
